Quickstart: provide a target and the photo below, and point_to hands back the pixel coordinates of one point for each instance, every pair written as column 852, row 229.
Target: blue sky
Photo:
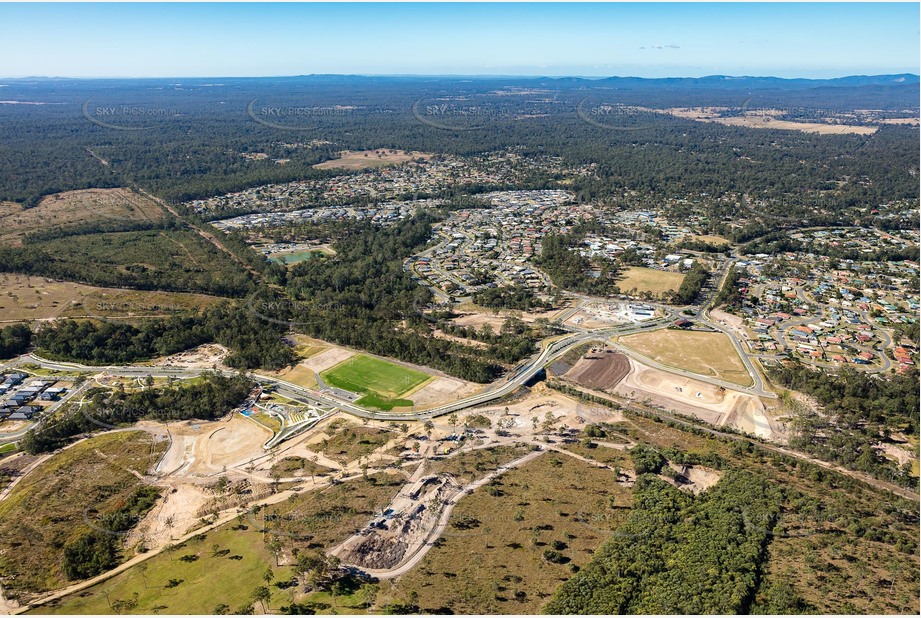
column 649, row 40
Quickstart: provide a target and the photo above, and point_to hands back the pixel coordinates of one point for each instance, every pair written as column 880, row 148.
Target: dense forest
column 253, row 343
column 14, row 340
column 519, row 297
column 202, row 130
column 677, row 553
column 212, row 397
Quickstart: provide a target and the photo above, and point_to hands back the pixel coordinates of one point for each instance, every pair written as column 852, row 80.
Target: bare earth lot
column 442, row 389
column 600, row 370
column 326, row 359
column 709, row 403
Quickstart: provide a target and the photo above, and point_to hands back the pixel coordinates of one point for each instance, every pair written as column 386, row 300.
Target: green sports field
column 371, row 376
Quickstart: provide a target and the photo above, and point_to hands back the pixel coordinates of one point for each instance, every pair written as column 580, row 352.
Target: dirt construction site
column 616, row 373
column 403, row 528
column 601, row 370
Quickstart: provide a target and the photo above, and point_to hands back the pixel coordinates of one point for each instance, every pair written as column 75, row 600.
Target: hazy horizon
column 461, row 76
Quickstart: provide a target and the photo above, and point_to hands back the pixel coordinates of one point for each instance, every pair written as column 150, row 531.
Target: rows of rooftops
column 418, row 178
column 498, row 241
column 18, row 391
column 830, row 312
column 383, row 214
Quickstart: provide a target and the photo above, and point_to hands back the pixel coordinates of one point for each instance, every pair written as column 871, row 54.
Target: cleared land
column 347, row 442
column 491, row 557
column 373, row 376
column 764, row 119
column 26, row 297
column 713, row 240
column 649, row 280
column 708, row 354
column 478, row 320
column 600, row 370
column 443, row 389
column 204, row 448
column 75, row 209
column 327, row 359
column 55, row 503
column 364, row 159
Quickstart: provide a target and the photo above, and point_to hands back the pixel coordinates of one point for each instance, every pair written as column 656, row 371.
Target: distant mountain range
column 708, row 82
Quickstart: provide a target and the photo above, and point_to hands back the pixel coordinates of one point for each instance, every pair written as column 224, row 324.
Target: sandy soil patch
column 232, row 444
column 733, row 321
column 677, row 393
column 709, row 403
column 895, row 453
column 207, row 356
column 478, row 320
column 174, row 514
column 11, row 426
column 442, row 390
column 585, row 319
column 694, row 479
column 205, row 449
column 566, row 411
column 749, row 415
column 326, row 359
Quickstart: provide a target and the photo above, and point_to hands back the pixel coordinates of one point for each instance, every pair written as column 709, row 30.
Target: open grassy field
column 648, row 280
column 228, row 563
column 491, row 558
column 367, row 159
column 296, row 257
column 49, row 507
column 709, row 354
column 25, row 297
column 468, row 466
column 175, row 260
column 347, row 442
column 709, row 238
column 373, row 376
column 298, row 466
column 74, row 209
